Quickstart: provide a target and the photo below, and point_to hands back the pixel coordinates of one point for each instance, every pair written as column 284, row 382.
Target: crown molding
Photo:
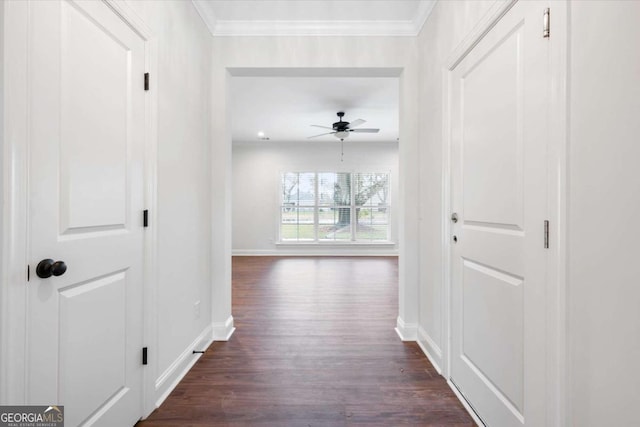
column 315, row 28
column 206, row 13
column 424, row 11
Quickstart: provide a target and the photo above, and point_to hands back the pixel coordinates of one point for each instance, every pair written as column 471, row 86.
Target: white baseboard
column 430, row 349
column 305, row 251
column 179, row 368
column 466, row 405
column 222, row 331
column 406, row 331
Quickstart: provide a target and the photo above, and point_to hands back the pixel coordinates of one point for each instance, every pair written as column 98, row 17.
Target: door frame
column 557, row 192
column 15, row 211
column 406, row 322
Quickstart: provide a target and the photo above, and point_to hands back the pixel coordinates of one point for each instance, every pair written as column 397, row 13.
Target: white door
column 499, row 97
column 87, row 115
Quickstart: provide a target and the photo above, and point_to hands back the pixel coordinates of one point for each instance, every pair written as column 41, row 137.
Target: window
column 334, row 207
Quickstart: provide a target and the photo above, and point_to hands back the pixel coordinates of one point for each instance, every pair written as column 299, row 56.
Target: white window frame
column 352, row 206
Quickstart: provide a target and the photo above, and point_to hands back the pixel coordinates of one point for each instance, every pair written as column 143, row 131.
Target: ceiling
column 314, row 17
column 285, row 107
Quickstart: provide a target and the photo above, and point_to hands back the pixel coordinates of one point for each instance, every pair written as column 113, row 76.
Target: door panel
column 498, row 118
column 92, row 314
column 497, row 357
column 492, row 150
column 93, row 188
column 87, row 117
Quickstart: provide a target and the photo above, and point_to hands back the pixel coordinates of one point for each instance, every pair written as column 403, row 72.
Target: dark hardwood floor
column 314, row 346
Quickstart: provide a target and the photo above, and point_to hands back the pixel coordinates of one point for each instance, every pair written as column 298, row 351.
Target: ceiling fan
column 342, row 129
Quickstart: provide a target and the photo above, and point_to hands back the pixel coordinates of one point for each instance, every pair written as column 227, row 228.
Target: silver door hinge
column 545, row 24
column 546, row 234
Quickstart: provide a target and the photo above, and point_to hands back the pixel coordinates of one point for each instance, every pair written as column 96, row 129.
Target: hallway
column 314, row 346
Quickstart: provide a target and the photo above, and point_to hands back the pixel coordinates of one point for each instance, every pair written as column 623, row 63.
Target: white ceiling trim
column 315, row 28
column 206, row 14
column 424, row 10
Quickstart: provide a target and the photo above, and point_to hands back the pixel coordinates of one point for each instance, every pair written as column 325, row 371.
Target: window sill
column 334, row 244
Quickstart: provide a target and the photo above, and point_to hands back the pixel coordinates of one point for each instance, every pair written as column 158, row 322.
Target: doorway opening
column 299, row 186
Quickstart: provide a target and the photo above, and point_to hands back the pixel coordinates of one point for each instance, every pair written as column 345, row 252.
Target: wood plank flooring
column 314, row 346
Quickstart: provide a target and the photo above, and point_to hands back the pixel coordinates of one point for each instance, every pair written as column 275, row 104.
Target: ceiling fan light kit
column 341, row 129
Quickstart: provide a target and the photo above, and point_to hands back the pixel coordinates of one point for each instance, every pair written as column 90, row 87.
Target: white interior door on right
column 499, row 98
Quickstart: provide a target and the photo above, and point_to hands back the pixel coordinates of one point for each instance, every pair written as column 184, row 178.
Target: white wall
column 448, row 24
column 4, row 352
column 2, row 207
column 2, row 171
column 604, row 206
column 256, row 184
column 183, row 212
column 230, row 53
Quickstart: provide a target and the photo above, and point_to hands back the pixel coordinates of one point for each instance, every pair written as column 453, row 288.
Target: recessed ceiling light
column 260, row 134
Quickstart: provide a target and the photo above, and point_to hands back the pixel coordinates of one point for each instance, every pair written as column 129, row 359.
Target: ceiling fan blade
column 322, row 134
column 323, row 127
column 357, row 122
column 365, row 130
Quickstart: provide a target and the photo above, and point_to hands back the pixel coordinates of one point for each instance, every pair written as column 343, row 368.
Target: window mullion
column 316, row 214
column 353, row 215
column 298, row 209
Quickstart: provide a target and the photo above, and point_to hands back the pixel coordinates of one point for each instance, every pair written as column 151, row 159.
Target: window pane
column 289, row 189
column 373, row 224
column 297, row 224
column 334, row 188
column 372, row 189
column 334, row 224
column 307, row 192
column 298, row 189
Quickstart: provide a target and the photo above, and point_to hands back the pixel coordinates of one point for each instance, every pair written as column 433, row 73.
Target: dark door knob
column 48, row 267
